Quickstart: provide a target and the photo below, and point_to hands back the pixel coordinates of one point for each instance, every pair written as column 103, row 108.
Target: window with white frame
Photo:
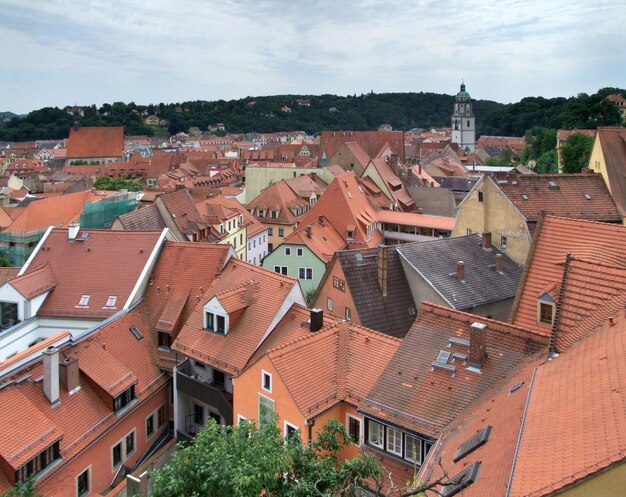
column 503, row 241
column 287, row 250
column 111, row 301
column 281, row 231
column 266, row 410
column 274, row 214
column 290, row 430
column 329, row 303
column 394, row 441
column 375, row 434
column 84, row 300
column 214, row 322
column 348, row 314
column 413, row 449
column 281, row 270
column 354, row 428
column 305, row 273
column 299, row 252
column 266, row 381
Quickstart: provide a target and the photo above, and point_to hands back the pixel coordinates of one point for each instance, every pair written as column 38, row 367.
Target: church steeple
column 463, row 120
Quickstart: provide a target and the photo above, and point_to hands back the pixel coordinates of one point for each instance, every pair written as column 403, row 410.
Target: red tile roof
column 95, row 142
column 399, row 193
column 34, row 282
column 581, row 196
column 86, row 268
column 184, row 211
column 320, row 237
column 369, row 141
column 410, row 378
column 421, row 220
column 279, row 196
column 103, row 368
column 232, row 351
column 340, row 363
column 553, row 239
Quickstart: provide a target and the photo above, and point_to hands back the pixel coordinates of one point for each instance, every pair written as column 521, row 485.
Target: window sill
column 120, row 412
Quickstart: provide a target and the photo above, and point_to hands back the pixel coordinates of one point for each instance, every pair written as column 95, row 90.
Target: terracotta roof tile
column 34, row 282
column 398, row 396
column 369, row 141
column 182, row 207
column 320, row 237
column 422, row 220
column 279, row 196
column 146, row 219
column 581, row 196
column 95, row 142
column 103, row 368
column 337, row 364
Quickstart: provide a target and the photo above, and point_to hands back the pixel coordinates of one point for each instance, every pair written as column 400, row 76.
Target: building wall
column 607, row 484
column 346, row 159
column 294, row 262
column 259, row 178
column 257, row 248
column 98, row 456
column 496, row 214
column 420, row 289
column 341, row 299
column 275, row 239
column 597, row 163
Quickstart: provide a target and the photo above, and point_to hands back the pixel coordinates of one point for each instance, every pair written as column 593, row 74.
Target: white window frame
column 261, row 396
column 504, row 242
column 111, row 301
column 391, row 437
column 88, row 469
column 265, row 374
column 329, row 303
column 288, row 424
column 348, row 314
column 305, row 273
column 370, row 440
column 84, row 300
column 288, row 251
column 280, row 270
column 361, row 421
column 240, row 418
column 418, row 444
column 299, row 251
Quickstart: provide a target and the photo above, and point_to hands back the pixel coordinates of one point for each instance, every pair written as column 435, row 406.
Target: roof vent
column 552, row 185
column 524, row 197
column 359, row 258
column 516, row 387
column 587, row 196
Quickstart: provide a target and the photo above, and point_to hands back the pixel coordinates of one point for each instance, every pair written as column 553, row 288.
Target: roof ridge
column 296, row 342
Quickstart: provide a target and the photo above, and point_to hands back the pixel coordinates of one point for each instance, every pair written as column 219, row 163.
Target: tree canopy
column 242, row 461
column 575, row 152
column 122, row 182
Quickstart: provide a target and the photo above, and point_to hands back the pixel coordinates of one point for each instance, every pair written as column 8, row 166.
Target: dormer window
column 274, row 214
column 214, row 322
column 545, row 309
column 84, row 300
column 350, row 234
column 125, row 398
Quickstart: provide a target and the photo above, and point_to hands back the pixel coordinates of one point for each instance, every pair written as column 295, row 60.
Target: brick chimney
column 487, row 240
column 460, row 270
column 499, row 263
column 69, row 374
column 478, row 345
column 382, row 263
column 51, row 374
column 72, row 231
column 317, row 320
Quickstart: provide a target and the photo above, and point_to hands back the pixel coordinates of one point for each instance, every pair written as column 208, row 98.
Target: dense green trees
column 575, row 152
column 244, row 461
column 540, row 151
column 122, row 182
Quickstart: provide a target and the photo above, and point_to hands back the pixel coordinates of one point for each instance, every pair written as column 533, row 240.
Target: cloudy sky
column 66, row 52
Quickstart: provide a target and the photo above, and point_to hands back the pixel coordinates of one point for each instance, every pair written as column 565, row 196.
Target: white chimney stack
column 72, row 231
column 51, row 374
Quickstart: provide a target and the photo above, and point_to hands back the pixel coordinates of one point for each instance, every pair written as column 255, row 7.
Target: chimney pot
column 69, row 373
column 499, row 263
column 317, row 319
column 51, row 374
column 460, row 270
column 478, row 345
column 382, row 263
column 487, row 240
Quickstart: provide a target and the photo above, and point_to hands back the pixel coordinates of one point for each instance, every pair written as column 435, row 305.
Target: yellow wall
column 275, row 239
column 611, row 483
column 597, row 163
column 496, row 214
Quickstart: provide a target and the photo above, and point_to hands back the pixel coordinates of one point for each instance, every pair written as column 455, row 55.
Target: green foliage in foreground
column 22, row 489
column 246, row 461
column 575, row 152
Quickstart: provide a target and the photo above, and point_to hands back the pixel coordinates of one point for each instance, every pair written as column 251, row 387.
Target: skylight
column 524, row 197
column 587, row 196
column 84, row 300
column 135, row 331
column 516, row 387
column 111, row 301
column 462, row 480
column 443, row 356
column 472, row 443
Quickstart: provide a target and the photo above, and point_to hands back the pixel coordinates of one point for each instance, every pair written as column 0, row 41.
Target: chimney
column 51, row 374
column 478, row 345
column 317, row 320
column 76, row 125
column 460, row 270
column 382, row 263
column 69, row 374
column 72, row 231
column 308, row 231
column 487, row 240
column 499, row 263
column 321, row 220
column 420, row 210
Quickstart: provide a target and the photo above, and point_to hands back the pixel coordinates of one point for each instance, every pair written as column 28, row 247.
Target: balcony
column 212, row 394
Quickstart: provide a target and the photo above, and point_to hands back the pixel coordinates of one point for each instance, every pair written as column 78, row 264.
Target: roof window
column 461, row 481
column 135, row 331
column 111, row 301
column 524, row 197
column 471, row 444
column 516, row 387
column 84, row 300
column 587, row 196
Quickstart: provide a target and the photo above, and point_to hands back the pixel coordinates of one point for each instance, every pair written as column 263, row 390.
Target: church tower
column 463, row 121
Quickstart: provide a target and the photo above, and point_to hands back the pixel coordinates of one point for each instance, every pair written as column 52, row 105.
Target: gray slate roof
column 388, row 314
column 146, row 219
column 436, row 262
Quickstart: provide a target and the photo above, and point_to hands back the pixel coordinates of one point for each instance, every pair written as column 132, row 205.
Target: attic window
column 587, row 196
column 516, row 387
column 473, row 443
column 461, row 481
column 215, row 322
column 350, row 234
column 84, row 300
column 111, row 301
column 524, row 197
column 135, row 331
column 545, row 309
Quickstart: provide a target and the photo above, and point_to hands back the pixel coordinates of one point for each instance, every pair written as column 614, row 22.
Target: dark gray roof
column 393, row 314
column 436, row 261
column 146, row 219
column 456, row 183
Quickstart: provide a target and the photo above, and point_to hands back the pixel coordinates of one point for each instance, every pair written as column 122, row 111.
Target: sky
column 83, row 52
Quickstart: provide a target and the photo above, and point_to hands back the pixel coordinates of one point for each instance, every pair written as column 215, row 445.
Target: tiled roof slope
column 613, row 143
column 7, row 273
column 232, row 351
column 95, row 142
column 51, row 211
column 369, row 141
column 393, row 314
column 553, row 239
column 280, row 196
column 583, row 393
column 307, row 184
column 503, row 412
column 146, row 219
column 567, row 198
column 107, row 263
column 397, row 189
column 320, row 237
column 182, row 207
column 436, row 261
column 337, row 364
column 411, row 393
column 35, row 282
column 347, row 208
